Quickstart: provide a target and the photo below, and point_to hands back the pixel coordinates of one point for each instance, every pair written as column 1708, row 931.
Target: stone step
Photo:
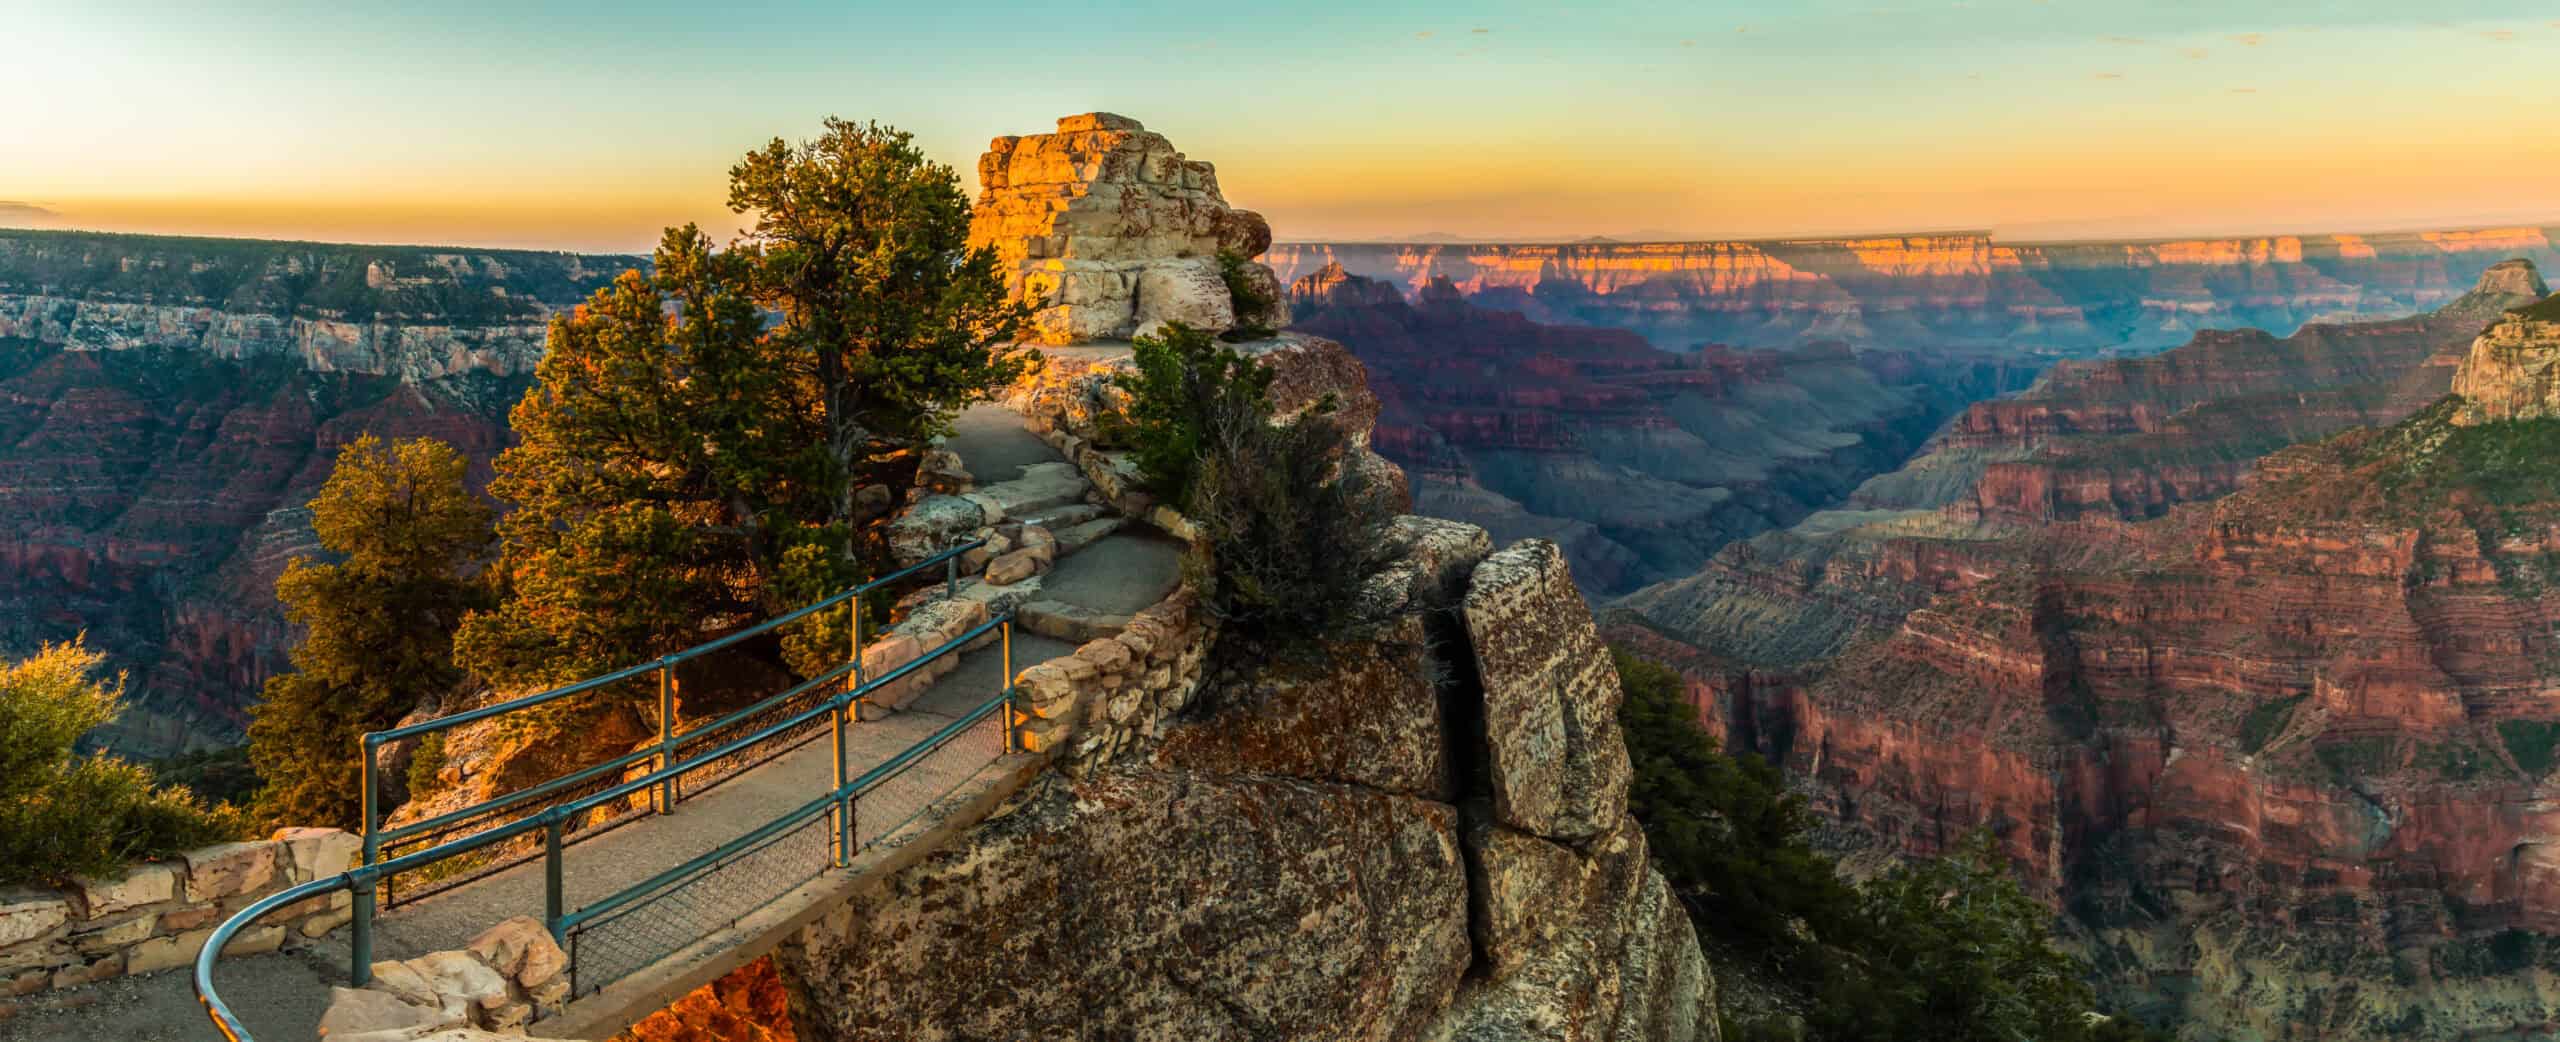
column 1042, row 487
column 1072, row 623
column 1077, row 537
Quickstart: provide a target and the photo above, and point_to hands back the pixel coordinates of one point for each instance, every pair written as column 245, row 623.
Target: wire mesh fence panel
column 698, row 780
column 641, row 933
column 438, row 877
column 893, row 801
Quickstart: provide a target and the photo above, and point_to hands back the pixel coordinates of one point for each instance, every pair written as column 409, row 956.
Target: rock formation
column 1341, row 848
column 1640, row 462
column 2074, row 298
column 1421, row 836
column 1115, row 233
column 2282, row 756
column 2513, row 370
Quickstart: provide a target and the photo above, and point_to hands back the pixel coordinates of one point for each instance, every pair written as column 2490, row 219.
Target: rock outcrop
column 2513, row 370
column 2071, row 298
column 1115, row 232
column 1283, row 850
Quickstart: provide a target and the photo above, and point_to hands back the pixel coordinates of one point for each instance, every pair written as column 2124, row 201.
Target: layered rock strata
column 1640, row 462
column 168, row 405
column 2282, row 757
column 1973, row 288
column 1115, row 233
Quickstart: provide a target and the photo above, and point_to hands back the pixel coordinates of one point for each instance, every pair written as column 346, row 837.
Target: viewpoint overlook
column 1039, row 599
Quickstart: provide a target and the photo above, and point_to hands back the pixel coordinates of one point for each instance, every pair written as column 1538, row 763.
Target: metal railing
column 593, row 925
column 593, row 778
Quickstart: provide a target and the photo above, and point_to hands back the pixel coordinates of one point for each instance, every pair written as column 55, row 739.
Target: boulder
column 369, row 1014
column 1363, row 714
column 460, row 977
column 1557, row 761
column 934, row 524
column 1189, row 292
column 521, row 949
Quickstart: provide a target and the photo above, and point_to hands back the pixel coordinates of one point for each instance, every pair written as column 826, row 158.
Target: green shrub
column 63, row 815
column 1290, row 531
column 1183, row 379
column 2266, row 721
column 2531, row 743
column 1249, row 300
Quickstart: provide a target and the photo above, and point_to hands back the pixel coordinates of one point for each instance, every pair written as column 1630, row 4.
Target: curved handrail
column 361, row 879
column 440, row 723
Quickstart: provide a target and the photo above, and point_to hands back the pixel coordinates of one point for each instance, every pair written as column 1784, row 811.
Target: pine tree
column 689, row 460
column 862, row 245
column 378, row 622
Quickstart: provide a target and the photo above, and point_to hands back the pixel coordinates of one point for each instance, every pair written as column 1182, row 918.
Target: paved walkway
column 281, row 996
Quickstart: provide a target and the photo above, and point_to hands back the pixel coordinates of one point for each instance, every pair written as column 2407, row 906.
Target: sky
column 591, row 126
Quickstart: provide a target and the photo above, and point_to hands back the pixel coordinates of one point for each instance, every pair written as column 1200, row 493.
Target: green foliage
column 378, row 623
column 1184, row 379
column 424, row 763
column 862, row 245
column 1949, row 948
column 222, row 775
column 1249, row 300
column 2531, row 742
column 687, row 465
column 1291, row 530
column 1973, row 950
column 2265, row 721
column 63, row 815
column 1729, row 838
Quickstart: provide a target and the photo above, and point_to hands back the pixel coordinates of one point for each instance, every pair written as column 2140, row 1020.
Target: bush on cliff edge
column 63, row 814
column 1289, row 530
column 1949, row 948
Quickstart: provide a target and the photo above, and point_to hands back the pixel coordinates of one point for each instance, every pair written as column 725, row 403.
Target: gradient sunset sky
column 590, row 126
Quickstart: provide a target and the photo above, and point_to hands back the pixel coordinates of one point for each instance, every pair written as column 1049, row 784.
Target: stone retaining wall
column 157, row 916
column 1119, row 689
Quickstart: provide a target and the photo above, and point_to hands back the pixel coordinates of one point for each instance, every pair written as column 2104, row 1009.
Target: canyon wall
column 2282, row 758
column 1640, row 462
column 1914, row 290
column 168, row 405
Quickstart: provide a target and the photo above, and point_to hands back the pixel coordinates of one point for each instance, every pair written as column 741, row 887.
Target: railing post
column 372, row 801
column 666, row 734
column 1006, row 687
column 554, row 902
column 843, row 811
column 951, row 577
column 855, row 707
column 360, row 932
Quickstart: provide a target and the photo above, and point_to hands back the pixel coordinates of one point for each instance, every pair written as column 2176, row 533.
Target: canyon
column 2274, row 736
column 168, row 406
column 1640, row 462
column 2053, row 299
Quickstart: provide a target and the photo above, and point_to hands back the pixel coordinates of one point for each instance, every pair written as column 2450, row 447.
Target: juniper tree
column 378, row 622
